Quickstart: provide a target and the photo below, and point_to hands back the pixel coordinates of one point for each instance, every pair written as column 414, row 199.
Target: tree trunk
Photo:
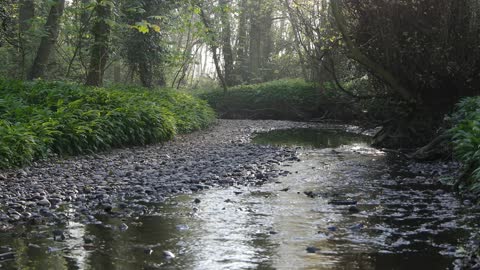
column 99, row 50
column 255, row 43
column 52, row 27
column 145, row 72
column 242, row 46
column 355, row 53
column 226, row 42
column 26, row 14
column 214, row 48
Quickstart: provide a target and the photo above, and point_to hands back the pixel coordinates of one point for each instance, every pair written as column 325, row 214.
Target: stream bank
column 240, row 205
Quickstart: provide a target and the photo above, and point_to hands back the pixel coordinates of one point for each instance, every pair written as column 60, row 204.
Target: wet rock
column 44, row 202
column 353, row 209
column 34, row 246
column 356, row 227
column 312, row 249
column 148, row 251
column 341, row 202
column 107, row 208
column 182, row 227
column 197, row 200
column 332, row 228
column 54, row 249
column 58, row 235
column 168, row 255
column 88, row 239
column 123, row 227
column 7, row 256
column 311, row 194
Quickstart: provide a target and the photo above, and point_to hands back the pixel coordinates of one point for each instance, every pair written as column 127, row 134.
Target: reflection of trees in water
column 310, row 137
column 36, row 258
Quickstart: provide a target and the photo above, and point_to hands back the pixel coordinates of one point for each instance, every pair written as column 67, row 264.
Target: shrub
column 41, row 118
column 466, row 139
column 292, row 99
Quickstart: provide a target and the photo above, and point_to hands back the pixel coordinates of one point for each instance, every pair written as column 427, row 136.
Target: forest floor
column 123, row 180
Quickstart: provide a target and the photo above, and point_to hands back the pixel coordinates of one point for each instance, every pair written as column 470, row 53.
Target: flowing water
column 345, row 205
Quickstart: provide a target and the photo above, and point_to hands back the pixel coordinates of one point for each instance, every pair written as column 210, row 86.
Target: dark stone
column 312, row 249
column 332, row 228
column 58, row 235
column 7, row 256
column 353, row 209
column 197, row 200
column 107, row 208
column 346, row 202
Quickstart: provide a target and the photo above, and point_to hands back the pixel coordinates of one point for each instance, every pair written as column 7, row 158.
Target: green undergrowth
column 38, row 119
column 292, row 99
column 466, row 140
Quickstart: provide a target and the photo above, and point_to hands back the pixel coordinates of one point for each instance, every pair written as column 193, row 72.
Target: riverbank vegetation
column 44, row 118
column 401, row 65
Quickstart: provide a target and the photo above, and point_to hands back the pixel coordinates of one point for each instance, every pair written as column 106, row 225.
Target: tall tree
column 427, row 71
column 144, row 45
column 260, row 39
column 227, row 41
column 241, row 64
column 26, row 14
column 99, row 51
column 47, row 43
column 211, row 40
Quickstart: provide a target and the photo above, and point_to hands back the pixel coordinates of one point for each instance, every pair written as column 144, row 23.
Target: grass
column 38, row 119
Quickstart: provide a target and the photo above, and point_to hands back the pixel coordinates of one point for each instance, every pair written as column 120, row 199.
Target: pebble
column 189, row 163
column 123, row 227
column 168, row 255
column 312, row 249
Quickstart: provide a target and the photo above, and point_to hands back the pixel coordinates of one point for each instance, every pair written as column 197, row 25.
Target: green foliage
column 466, row 138
column 41, row 118
column 283, row 99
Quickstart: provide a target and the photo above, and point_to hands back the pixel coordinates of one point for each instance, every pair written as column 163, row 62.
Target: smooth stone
column 123, row 227
column 168, row 255
column 44, row 202
column 312, row 249
column 7, row 256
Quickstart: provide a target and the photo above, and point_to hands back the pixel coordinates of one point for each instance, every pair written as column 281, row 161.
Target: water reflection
column 398, row 223
column 316, row 138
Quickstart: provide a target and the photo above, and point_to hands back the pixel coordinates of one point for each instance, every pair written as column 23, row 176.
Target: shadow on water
column 397, row 222
column 316, row 138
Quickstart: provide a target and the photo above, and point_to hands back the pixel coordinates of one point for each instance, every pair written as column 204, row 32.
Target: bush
column 282, row 99
column 466, row 139
column 41, row 118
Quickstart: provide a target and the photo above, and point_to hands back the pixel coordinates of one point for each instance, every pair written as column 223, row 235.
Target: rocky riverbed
column 215, row 200
column 122, row 182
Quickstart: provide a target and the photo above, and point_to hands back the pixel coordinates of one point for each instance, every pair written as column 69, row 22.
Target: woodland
column 84, row 76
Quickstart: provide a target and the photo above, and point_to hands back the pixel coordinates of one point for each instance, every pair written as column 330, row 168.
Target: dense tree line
column 412, row 60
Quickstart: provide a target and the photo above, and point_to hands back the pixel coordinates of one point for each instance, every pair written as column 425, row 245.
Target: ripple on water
column 403, row 220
